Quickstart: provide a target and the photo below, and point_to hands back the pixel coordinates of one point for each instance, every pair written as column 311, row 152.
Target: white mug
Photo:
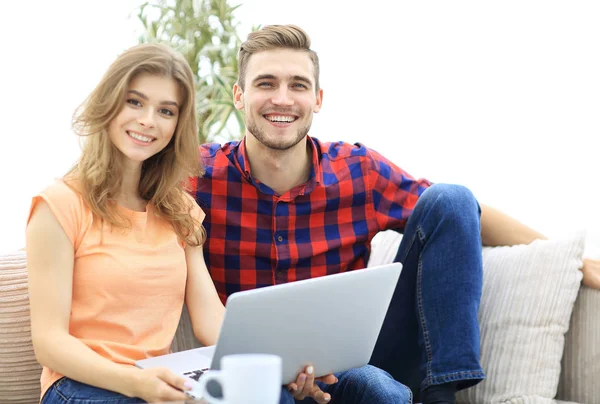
column 245, row 378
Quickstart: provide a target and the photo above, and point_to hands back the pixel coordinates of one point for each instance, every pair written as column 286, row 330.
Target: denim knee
column 456, row 195
column 67, row 390
column 286, row 397
column 374, row 385
column 449, row 202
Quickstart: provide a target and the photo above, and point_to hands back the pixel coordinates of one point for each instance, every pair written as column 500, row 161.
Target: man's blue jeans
column 430, row 334
column 364, row 385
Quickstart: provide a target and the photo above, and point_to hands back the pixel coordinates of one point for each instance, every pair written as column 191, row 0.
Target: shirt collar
column 316, row 175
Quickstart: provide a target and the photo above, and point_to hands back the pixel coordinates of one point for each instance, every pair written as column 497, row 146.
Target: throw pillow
column 384, row 247
column 19, row 370
column 527, row 300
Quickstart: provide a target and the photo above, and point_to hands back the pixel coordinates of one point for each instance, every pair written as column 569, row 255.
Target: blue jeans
column 67, row 390
column 430, row 334
column 364, row 385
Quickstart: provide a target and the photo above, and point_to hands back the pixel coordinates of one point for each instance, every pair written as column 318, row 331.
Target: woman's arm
column 499, row 229
column 203, row 303
column 50, row 258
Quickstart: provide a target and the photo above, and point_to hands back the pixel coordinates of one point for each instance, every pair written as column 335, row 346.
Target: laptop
column 331, row 322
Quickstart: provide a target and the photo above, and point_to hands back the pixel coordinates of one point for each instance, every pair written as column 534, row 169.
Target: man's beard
column 261, row 136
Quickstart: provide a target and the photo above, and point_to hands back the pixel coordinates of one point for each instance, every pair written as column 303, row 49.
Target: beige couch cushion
column 527, row 300
column 580, row 377
column 19, row 371
column 184, row 337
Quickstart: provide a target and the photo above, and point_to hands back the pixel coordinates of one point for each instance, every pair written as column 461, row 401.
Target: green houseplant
column 205, row 32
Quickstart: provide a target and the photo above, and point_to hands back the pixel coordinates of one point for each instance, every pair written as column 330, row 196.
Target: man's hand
column 591, row 273
column 305, row 386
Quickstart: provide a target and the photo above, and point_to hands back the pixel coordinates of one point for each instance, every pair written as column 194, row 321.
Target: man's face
column 279, row 97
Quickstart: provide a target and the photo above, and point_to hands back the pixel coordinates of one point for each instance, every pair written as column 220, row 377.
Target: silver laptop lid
column 331, row 322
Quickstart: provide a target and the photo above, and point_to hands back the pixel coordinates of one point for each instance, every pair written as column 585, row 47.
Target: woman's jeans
column 70, row 391
column 365, row 385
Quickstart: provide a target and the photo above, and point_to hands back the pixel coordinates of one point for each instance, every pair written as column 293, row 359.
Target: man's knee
column 449, row 201
column 370, row 381
column 449, row 193
column 286, row 397
column 367, row 373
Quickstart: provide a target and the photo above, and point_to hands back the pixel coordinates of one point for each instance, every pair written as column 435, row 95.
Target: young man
column 282, row 206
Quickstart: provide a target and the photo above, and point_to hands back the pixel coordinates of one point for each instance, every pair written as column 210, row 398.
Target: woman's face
column 148, row 118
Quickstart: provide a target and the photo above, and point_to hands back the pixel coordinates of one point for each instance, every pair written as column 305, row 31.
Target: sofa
column 540, row 329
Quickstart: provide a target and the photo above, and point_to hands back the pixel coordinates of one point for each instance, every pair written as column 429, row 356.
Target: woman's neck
column 129, row 194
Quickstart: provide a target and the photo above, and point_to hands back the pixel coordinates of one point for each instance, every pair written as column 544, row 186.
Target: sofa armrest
column 581, row 359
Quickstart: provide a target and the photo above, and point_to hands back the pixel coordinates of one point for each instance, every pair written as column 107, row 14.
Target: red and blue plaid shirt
column 257, row 238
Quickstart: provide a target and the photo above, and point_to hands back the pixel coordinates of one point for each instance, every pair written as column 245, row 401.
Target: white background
column 503, row 97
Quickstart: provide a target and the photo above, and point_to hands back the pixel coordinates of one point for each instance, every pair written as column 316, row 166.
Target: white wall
column 503, row 97
column 52, row 55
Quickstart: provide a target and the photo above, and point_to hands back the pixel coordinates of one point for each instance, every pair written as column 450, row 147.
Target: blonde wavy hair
column 98, row 172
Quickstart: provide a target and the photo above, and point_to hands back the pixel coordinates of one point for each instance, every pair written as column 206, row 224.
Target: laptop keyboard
column 195, row 374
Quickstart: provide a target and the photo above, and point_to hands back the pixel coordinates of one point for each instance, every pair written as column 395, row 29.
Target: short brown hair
column 275, row 37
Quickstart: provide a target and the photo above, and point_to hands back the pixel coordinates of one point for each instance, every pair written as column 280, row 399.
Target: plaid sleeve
column 394, row 192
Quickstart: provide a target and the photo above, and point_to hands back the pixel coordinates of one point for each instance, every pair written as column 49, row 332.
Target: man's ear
column 238, row 97
column 319, row 102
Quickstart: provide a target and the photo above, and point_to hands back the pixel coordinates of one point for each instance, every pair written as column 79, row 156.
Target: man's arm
column 499, row 229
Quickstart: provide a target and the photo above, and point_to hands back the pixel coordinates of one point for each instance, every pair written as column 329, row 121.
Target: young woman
column 114, row 247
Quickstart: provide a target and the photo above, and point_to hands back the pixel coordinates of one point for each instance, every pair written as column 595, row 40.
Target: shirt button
column 279, row 238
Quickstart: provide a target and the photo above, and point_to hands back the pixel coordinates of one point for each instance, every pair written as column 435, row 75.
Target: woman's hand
column 591, row 273
column 305, row 386
column 160, row 384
